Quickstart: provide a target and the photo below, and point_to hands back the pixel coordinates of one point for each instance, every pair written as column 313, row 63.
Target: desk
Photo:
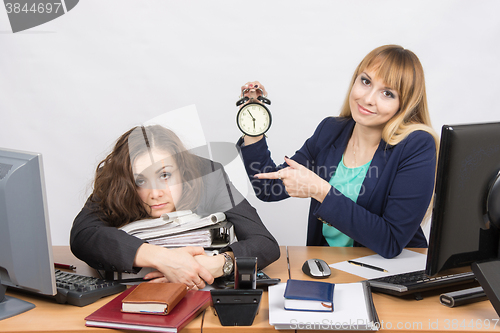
column 427, row 315
column 49, row 316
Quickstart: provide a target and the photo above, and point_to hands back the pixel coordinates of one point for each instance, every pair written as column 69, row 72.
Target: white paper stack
column 170, row 224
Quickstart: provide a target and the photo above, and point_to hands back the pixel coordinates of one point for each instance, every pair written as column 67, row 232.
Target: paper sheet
column 407, row 261
column 350, row 311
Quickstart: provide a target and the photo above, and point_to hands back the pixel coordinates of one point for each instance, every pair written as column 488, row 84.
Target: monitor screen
column 468, row 164
column 26, row 260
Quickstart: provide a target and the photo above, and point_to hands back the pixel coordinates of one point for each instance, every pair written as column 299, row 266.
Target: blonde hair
column 401, row 70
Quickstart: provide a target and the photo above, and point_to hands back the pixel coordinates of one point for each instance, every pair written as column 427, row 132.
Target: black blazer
column 105, row 247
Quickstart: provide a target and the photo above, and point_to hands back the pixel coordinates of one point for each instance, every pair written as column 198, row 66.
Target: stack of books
column 171, row 319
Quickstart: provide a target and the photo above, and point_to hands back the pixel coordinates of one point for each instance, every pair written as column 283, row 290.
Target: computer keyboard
column 418, row 281
column 81, row 290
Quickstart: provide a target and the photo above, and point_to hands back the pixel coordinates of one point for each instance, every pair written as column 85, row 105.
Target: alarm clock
column 253, row 118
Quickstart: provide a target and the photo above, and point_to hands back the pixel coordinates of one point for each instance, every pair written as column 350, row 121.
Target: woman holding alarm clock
column 370, row 171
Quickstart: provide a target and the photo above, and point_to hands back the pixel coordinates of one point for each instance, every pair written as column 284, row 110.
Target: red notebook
column 110, row 315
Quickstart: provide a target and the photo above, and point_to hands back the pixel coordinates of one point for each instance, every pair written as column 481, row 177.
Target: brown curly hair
column 115, row 191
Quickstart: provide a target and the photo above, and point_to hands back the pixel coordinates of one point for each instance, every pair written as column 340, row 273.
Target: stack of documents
column 194, row 238
column 215, row 236
column 184, row 228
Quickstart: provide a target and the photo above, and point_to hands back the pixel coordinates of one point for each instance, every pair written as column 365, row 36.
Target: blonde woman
column 370, row 171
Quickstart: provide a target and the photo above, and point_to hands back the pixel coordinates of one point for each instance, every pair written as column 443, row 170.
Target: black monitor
column 26, row 260
column 463, row 229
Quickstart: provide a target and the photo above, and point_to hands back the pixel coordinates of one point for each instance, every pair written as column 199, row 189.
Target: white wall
column 70, row 87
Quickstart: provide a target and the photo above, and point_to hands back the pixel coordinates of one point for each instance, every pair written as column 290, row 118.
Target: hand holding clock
column 253, row 118
column 298, row 180
column 253, row 90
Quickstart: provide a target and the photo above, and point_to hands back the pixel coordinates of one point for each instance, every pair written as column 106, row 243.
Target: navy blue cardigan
column 392, row 202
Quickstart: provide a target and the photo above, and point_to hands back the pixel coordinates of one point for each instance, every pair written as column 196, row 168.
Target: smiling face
column 371, row 101
column 158, row 182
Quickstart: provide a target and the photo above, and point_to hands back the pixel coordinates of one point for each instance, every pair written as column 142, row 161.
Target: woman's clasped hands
column 186, row 265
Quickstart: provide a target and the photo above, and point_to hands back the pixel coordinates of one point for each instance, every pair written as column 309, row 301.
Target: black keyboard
column 418, row 281
column 81, row 290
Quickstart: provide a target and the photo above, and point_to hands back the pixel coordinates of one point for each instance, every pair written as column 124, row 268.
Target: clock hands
column 253, row 119
column 251, row 115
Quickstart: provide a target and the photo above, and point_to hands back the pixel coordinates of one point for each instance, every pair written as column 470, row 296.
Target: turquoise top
column 349, row 182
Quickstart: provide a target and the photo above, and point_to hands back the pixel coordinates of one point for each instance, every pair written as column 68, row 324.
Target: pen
column 367, row 266
column 64, row 266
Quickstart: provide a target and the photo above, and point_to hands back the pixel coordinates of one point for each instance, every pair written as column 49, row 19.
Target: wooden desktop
column 401, row 314
column 395, row 313
column 49, row 316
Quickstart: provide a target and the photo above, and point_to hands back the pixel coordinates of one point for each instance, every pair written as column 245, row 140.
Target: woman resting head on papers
column 149, row 173
column 370, row 171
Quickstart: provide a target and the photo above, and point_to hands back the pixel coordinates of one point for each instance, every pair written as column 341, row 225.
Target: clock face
column 254, row 119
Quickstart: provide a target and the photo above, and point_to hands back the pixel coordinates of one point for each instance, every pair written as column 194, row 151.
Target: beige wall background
column 70, row 87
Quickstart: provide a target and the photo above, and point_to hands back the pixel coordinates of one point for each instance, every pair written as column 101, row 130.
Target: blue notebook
column 302, row 295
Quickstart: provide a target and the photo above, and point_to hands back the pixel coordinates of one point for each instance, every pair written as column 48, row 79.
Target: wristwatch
column 228, row 264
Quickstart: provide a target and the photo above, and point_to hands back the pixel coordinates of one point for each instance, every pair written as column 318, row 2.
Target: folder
column 214, row 236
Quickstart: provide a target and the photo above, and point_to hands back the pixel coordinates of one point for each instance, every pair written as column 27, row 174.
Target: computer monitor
column 462, row 230
column 26, row 260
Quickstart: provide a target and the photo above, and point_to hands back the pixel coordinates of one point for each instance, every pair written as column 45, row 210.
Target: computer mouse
column 316, row 268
